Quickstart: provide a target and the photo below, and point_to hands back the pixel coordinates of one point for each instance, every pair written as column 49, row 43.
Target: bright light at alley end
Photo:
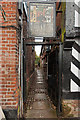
column 42, row 19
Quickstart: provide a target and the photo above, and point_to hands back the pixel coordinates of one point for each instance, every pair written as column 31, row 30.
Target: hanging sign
column 42, row 20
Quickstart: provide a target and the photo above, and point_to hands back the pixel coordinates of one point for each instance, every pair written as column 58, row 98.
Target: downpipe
column 21, row 106
column 59, row 104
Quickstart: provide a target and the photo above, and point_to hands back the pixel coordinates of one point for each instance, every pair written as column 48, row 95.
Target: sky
column 38, row 48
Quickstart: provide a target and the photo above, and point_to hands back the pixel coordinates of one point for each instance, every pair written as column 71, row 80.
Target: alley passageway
column 38, row 103
column 40, row 59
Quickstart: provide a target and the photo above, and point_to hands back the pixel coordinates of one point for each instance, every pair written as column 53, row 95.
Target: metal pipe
column 47, row 64
column 60, row 80
column 22, row 61
column 19, row 77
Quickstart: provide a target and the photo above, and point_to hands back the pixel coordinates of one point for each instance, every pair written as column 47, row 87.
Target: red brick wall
column 58, row 18
column 8, row 57
column 29, row 55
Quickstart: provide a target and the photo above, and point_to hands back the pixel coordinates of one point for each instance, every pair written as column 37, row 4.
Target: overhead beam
column 59, row 11
column 44, row 1
column 42, row 43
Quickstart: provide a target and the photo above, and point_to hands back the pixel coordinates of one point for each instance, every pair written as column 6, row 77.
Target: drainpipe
column 21, row 58
column 59, row 107
column 47, row 66
column 22, row 61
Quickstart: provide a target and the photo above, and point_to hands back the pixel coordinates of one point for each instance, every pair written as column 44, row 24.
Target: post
column 47, row 66
column 22, row 61
column 59, row 108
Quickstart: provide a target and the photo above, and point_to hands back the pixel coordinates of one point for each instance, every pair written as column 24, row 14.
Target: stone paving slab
column 40, row 96
column 41, row 106
column 40, row 90
column 41, row 114
column 40, row 82
column 52, row 118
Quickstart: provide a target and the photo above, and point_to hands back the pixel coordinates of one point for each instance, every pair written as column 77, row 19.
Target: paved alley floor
column 38, row 102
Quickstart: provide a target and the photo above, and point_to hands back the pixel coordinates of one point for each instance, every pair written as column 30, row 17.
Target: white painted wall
column 74, row 87
column 77, row 15
column 74, row 69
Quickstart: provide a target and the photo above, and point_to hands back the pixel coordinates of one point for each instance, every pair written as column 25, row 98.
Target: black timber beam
column 40, row 1
column 59, row 11
column 43, row 43
column 77, row 8
column 71, row 95
column 68, row 44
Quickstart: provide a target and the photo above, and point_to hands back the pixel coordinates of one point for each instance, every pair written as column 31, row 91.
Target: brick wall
column 74, row 106
column 29, row 61
column 58, row 19
column 9, row 57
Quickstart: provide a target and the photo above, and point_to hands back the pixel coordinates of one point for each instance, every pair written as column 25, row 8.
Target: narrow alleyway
column 38, row 102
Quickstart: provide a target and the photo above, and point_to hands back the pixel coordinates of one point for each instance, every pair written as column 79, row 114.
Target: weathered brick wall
column 74, row 106
column 58, row 19
column 29, row 61
column 8, row 57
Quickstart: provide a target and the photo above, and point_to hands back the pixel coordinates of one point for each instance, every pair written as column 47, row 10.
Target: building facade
column 67, row 29
column 13, row 33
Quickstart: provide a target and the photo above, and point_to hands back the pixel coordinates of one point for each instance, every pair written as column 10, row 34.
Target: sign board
column 42, row 20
